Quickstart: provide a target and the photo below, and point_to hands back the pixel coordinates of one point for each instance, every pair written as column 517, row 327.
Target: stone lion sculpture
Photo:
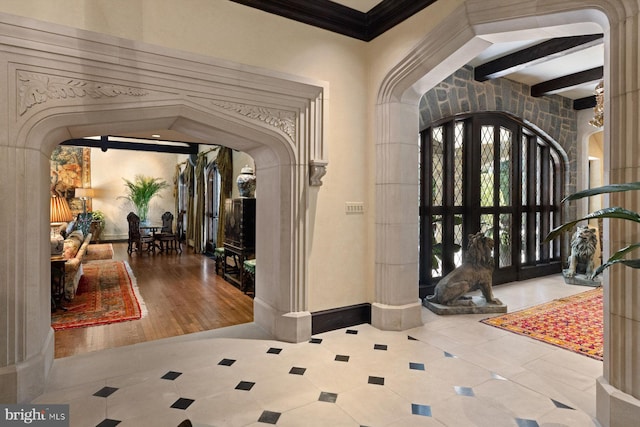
column 476, row 272
column 583, row 248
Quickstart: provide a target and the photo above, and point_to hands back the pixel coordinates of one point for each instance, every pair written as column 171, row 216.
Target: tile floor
column 452, row 371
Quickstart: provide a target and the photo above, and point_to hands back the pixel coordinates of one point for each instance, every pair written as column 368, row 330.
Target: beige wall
column 107, row 172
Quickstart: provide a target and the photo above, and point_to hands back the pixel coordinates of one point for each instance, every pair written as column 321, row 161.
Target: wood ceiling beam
column 105, row 144
column 533, row 55
column 575, row 79
column 584, row 103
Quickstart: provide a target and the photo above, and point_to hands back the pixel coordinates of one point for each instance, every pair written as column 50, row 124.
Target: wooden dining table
column 153, row 228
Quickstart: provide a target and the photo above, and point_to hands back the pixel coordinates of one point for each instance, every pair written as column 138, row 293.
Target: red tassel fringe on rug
column 573, row 323
column 107, row 293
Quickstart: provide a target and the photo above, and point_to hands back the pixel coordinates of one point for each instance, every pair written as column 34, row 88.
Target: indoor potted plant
column 141, row 190
column 97, row 224
column 613, row 213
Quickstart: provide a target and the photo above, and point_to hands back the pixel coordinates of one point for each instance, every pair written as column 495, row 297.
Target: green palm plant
column 140, row 192
column 613, row 213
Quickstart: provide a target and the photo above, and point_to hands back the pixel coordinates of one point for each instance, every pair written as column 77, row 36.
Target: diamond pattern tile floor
column 354, row 376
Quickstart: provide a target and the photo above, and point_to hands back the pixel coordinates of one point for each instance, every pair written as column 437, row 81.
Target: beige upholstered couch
column 75, row 246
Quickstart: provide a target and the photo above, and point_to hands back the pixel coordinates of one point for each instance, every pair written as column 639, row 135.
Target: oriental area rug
column 98, row 251
column 573, row 323
column 107, row 293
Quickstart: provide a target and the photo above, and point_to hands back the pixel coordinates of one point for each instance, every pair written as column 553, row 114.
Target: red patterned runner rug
column 573, row 323
column 107, row 293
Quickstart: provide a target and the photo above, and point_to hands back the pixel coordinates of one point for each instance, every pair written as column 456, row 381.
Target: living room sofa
column 75, row 247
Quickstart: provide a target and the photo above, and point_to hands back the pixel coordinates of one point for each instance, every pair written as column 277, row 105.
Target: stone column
column 618, row 391
column 397, row 304
column 25, row 300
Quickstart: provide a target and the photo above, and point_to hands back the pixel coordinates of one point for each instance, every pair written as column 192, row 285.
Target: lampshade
column 60, row 211
column 86, row 193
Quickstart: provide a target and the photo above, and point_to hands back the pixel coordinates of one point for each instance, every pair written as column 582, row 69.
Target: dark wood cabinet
column 240, row 238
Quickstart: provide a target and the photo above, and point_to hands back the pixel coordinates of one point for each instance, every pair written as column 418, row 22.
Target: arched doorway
column 438, row 55
column 76, row 94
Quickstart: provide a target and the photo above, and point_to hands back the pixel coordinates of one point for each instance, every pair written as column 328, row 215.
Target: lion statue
column 583, row 247
column 475, row 272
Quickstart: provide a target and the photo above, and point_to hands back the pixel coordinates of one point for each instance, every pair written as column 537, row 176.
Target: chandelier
column 598, row 110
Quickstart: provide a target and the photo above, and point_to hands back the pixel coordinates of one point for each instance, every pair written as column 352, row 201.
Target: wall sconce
column 84, row 194
column 598, row 110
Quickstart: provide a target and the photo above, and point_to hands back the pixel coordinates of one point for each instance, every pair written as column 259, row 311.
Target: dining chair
column 137, row 240
column 166, row 237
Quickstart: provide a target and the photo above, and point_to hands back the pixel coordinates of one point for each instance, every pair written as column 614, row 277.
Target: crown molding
column 341, row 19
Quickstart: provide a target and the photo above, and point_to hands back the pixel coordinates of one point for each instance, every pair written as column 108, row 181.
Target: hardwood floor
column 182, row 294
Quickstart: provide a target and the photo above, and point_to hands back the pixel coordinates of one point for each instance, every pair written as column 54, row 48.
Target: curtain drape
column 198, row 220
column 176, row 196
column 189, row 184
column 225, row 168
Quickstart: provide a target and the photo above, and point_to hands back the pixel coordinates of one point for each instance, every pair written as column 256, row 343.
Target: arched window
column 492, row 173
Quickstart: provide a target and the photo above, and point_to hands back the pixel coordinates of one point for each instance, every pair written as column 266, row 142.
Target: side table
column 57, row 282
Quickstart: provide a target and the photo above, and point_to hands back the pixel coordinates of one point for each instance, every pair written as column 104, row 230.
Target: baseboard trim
column 341, row 317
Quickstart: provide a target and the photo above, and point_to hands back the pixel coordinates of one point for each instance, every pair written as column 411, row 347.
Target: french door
column 488, row 173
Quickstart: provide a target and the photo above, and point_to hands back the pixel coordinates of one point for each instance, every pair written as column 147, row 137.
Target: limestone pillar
column 397, row 305
column 618, row 390
column 25, row 298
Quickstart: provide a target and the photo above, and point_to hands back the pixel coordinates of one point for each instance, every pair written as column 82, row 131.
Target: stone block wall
column 553, row 115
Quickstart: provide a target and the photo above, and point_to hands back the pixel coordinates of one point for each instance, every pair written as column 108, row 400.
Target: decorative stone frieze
column 36, row 88
column 282, row 120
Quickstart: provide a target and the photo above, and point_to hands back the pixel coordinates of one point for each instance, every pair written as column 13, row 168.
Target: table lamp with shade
column 84, row 194
column 59, row 213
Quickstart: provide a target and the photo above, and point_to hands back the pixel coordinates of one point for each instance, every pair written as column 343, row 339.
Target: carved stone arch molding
column 60, row 83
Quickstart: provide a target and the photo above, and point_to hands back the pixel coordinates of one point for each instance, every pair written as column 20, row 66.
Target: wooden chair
column 167, row 238
column 137, row 240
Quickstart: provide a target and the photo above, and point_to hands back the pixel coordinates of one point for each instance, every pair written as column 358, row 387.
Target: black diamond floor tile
column 561, row 405
column 447, row 354
column 328, row 397
column 352, row 332
column 526, row 423
column 410, row 338
column 226, row 362
column 380, row 347
column 464, row 391
column 108, row 423
column 182, row 403
column 424, row 410
column 297, row 371
column 105, row 392
column 274, row 350
column 376, row 380
column 245, row 385
column 269, row 417
column 416, row 366
column 342, row 358
column 171, row 375
column 315, row 340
